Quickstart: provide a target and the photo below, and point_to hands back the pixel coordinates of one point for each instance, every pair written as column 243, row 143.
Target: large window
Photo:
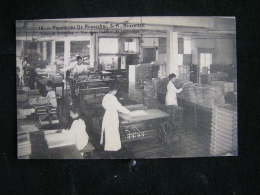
column 108, row 46
column 187, row 46
column 130, row 45
column 79, row 48
column 108, row 62
column 205, row 62
column 59, row 56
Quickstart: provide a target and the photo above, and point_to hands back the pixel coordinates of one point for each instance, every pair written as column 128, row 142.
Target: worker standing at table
column 77, row 68
column 73, row 71
column 110, row 125
column 171, row 95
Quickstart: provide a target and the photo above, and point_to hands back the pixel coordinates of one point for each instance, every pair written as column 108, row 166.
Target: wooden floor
column 190, row 139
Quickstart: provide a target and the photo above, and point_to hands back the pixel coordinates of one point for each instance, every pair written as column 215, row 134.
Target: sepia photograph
column 126, row 87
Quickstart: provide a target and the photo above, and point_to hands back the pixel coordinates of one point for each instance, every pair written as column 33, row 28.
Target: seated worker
column 78, row 132
column 51, row 94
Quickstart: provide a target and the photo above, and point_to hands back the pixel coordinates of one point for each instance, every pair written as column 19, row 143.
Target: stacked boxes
column 205, row 96
column 33, row 93
column 135, row 94
column 184, row 72
column 224, row 130
column 219, row 76
column 150, row 99
column 146, row 72
column 141, row 83
column 143, row 72
column 188, row 93
column 38, row 101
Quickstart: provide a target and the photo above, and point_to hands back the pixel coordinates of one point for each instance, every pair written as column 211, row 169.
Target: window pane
column 108, row 45
column 79, row 48
column 109, row 62
column 130, row 46
column 187, row 46
column 180, row 59
column 208, row 59
column 59, row 57
column 202, row 59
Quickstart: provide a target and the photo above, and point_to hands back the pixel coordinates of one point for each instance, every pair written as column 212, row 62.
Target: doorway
column 149, row 55
column 205, row 62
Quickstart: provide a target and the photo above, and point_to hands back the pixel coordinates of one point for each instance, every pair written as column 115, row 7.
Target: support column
column 157, row 54
column 66, row 54
column 172, row 52
column 53, row 51
column 96, row 44
column 39, row 47
column 92, row 50
column 22, row 48
column 19, row 48
column 44, row 50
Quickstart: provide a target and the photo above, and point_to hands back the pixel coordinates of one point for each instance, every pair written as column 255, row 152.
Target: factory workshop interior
column 127, row 87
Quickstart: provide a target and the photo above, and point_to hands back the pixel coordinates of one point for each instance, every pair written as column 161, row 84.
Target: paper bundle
column 55, row 140
column 23, row 145
column 138, row 113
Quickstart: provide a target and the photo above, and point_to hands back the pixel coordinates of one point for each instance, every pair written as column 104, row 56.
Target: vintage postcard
column 126, row 87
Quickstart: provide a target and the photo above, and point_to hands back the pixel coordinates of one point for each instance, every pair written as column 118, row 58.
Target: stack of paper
column 27, row 129
column 32, row 93
column 38, row 101
column 22, row 97
column 55, row 140
column 48, row 119
column 23, row 113
column 224, row 130
column 138, row 113
column 23, row 145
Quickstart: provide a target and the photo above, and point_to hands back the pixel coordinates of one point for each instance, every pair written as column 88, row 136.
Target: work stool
column 87, row 150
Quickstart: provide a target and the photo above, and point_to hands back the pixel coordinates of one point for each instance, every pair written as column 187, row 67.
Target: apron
column 110, row 125
column 171, row 97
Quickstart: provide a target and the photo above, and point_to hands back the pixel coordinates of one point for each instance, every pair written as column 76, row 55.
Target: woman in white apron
column 171, row 95
column 110, row 124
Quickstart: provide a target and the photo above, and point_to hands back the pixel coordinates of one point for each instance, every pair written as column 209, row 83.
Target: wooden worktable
column 39, row 147
column 151, row 115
